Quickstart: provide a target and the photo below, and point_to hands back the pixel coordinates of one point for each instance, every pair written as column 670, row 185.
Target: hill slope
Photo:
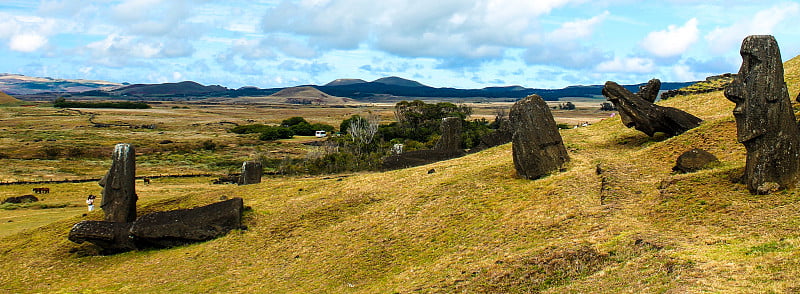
column 5, row 98
column 628, row 226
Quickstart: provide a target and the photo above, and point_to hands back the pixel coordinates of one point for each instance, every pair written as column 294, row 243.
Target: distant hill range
column 15, row 84
column 388, row 88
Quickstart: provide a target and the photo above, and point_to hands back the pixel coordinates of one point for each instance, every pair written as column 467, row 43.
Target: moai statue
column 251, row 173
column 450, row 142
column 765, row 122
column 119, row 191
column 536, row 143
column 639, row 111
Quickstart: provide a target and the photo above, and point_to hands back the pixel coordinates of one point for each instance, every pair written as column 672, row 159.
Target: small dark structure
column 251, row 173
column 694, row 160
column 162, row 229
column 119, row 186
column 537, row 145
column 639, row 111
column 450, row 142
column 21, row 199
column 765, row 122
column 448, row 147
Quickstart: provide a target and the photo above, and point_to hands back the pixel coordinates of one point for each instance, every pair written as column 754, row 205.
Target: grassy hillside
column 6, row 99
column 628, row 226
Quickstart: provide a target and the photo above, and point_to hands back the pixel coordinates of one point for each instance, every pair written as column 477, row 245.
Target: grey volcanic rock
column 21, row 199
column 119, row 191
column 450, row 142
column 251, row 173
column 183, row 226
column 694, row 160
column 113, row 237
column 537, row 145
column 636, row 111
column 765, row 122
column 650, row 90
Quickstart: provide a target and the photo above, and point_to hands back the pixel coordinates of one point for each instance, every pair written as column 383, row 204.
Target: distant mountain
column 182, row 88
column 344, row 82
column 15, row 84
column 388, row 88
column 397, row 81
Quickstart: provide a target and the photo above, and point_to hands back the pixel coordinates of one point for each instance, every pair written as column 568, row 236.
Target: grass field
column 470, row 227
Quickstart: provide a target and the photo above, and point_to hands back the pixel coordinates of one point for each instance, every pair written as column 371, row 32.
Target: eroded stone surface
column 251, row 173
column 647, row 117
column 694, row 160
column 119, row 190
column 765, row 122
column 450, row 142
column 537, row 146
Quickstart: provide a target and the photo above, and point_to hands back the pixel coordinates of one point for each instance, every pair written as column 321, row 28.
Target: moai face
column 752, row 95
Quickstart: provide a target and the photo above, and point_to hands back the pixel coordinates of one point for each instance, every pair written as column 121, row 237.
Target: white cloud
column 578, row 29
column 627, row 65
column 724, row 39
column 27, row 42
column 672, row 42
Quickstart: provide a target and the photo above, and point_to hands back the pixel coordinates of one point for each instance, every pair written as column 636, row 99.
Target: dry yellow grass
column 469, row 227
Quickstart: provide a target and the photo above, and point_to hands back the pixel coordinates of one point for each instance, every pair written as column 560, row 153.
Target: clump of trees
column 364, row 142
column 60, row 102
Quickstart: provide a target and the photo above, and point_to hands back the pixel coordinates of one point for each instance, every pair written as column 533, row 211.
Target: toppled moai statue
column 251, row 173
column 765, row 121
column 119, row 191
column 536, row 144
column 650, row 90
column 450, row 142
column 184, row 226
column 162, row 229
column 636, row 110
column 694, row 160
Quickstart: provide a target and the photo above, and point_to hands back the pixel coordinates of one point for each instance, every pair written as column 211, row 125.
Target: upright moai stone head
column 765, row 122
column 537, row 146
column 251, row 173
column 119, row 190
column 451, row 135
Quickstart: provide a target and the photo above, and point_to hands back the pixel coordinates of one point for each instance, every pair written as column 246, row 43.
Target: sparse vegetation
column 63, row 103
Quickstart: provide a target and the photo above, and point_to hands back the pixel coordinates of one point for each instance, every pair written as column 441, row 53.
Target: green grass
column 470, row 227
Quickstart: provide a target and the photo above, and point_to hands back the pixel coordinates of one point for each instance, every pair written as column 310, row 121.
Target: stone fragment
column 650, row 90
column 21, row 199
column 184, row 226
column 119, row 191
column 112, row 237
column 765, row 121
column 251, row 173
column 537, row 146
column 694, row 160
column 645, row 116
column 450, row 142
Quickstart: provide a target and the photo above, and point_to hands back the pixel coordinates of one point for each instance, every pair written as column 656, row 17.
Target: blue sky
column 441, row 43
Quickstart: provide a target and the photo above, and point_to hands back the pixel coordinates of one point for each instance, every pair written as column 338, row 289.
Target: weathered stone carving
column 112, row 237
column 251, row 173
column 119, row 191
column 162, row 229
column 183, row 226
column 694, row 160
column 765, row 121
column 650, row 90
column 536, row 143
column 637, row 111
column 451, row 136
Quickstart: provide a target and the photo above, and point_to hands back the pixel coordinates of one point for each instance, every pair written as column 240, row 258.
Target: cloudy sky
column 441, row 43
